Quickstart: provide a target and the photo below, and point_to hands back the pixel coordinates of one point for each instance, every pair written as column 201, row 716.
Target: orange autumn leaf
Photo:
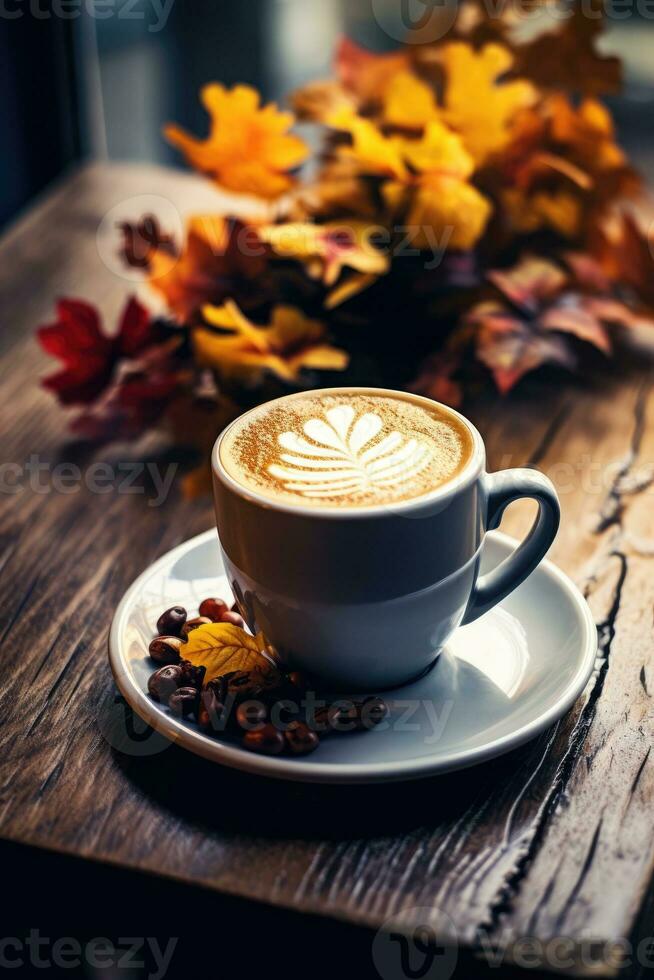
column 559, row 210
column 477, row 103
column 586, row 131
column 243, row 350
column 249, row 149
column 327, row 249
column 366, row 73
column 212, row 264
column 624, row 252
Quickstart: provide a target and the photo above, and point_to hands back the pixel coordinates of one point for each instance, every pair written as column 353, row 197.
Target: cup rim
column 468, row 474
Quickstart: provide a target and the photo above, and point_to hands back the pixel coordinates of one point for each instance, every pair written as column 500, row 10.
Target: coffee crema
column 345, row 449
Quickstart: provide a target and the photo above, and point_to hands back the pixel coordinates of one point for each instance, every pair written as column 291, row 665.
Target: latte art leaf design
column 339, row 458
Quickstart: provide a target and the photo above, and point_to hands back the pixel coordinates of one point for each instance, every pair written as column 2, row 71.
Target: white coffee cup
column 366, row 598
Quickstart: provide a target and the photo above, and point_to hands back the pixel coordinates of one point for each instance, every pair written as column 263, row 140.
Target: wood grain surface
column 555, row 841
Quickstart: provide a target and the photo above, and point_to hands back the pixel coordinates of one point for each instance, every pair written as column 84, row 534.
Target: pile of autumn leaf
column 463, row 221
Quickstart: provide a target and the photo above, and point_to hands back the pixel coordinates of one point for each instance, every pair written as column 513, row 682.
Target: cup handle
column 501, row 490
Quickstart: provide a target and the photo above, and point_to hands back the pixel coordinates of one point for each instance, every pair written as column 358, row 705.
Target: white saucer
column 500, row 681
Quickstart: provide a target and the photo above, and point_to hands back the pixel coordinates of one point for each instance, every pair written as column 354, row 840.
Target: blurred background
column 78, row 86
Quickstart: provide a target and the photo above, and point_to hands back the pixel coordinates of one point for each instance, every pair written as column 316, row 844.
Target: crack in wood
column 549, row 435
column 606, row 632
column 612, row 509
column 611, row 514
column 585, row 868
column 643, row 680
column 640, row 771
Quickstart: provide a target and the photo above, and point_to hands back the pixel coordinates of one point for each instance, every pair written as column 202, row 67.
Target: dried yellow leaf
column 223, row 647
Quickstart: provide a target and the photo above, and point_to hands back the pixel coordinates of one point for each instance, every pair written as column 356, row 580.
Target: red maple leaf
column 136, row 399
column 90, row 356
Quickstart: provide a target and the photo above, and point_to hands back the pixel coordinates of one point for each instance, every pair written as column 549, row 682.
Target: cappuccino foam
column 349, row 449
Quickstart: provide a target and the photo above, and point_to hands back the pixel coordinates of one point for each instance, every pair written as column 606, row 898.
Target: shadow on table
column 215, row 797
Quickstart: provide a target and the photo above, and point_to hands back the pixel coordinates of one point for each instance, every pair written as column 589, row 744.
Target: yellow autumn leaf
column 331, row 246
column 439, row 151
column 409, row 102
column 437, row 202
column 222, row 648
column 375, row 154
column 284, row 347
column 444, row 212
column 249, row 148
column 348, row 288
column 476, row 103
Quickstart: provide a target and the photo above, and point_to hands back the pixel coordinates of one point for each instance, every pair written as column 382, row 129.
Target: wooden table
column 555, row 840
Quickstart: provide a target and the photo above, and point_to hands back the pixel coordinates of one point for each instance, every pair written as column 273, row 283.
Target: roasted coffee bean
column 300, row 739
column 245, row 684
column 171, row 621
column 284, row 710
column 372, row 712
column 266, row 740
column 218, row 686
column 240, row 683
column 213, row 609
column 165, row 649
column 192, row 675
column 344, row 716
column 192, row 624
column 318, row 721
column 251, row 715
column 233, row 618
column 211, row 712
column 204, row 720
column 164, row 682
column 183, row 702
column 298, row 680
